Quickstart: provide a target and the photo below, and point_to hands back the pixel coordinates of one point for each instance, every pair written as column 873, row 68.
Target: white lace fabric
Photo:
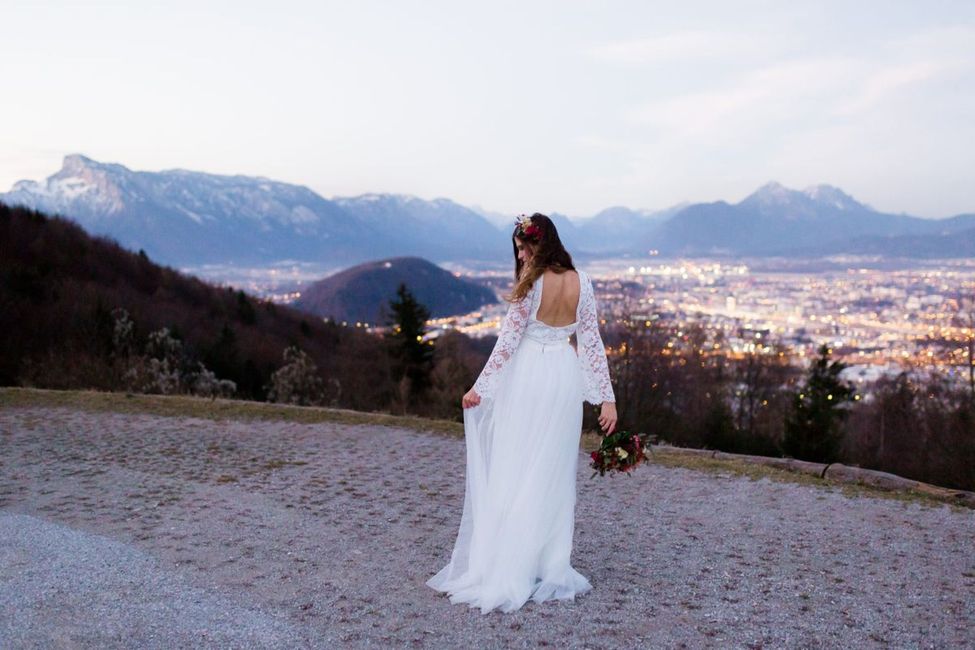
column 597, row 387
column 520, row 321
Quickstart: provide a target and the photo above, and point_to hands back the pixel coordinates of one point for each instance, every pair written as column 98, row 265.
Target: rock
column 883, row 480
column 787, row 464
column 686, row 451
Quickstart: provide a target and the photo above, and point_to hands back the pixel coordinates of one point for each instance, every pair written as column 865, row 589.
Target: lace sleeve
column 512, row 327
column 597, row 387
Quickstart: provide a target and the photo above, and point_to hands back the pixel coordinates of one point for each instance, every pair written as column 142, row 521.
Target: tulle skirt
column 518, row 520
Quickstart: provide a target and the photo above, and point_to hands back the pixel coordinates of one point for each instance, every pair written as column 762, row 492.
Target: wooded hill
column 361, row 293
column 62, row 290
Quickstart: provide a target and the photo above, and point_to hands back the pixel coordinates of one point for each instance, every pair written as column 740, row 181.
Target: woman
column 522, row 423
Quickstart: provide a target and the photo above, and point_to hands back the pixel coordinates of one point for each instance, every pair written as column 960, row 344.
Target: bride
column 522, row 424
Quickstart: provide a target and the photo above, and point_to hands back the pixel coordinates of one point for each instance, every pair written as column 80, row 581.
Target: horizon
column 508, row 108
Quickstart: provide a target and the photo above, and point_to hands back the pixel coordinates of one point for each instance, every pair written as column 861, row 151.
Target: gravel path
column 144, row 531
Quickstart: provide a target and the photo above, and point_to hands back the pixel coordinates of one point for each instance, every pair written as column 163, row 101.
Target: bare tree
column 964, row 318
column 297, row 381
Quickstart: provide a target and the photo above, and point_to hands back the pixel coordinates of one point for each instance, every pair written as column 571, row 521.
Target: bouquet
column 621, row 451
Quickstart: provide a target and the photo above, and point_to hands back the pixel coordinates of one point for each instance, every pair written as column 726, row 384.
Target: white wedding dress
column 516, row 529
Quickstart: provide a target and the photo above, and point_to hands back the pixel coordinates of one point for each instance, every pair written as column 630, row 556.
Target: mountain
column 359, row 294
column 614, row 230
column 775, row 220
column 940, row 245
column 503, row 222
column 438, row 229
column 184, row 217
column 191, row 218
column 609, row 232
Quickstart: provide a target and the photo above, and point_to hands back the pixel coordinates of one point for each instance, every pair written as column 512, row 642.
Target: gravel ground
column 152, row 532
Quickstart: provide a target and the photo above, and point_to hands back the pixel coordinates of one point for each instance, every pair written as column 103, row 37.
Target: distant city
column 878, row 321
column 877, row 316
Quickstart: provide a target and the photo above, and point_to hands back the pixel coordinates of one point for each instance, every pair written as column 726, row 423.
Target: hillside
column 59, row 288
column 361, row 293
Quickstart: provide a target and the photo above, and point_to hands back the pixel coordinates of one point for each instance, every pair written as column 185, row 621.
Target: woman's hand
column 607, row 417
column 470, row 399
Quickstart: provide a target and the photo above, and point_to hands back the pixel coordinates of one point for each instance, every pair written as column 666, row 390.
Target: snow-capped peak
column 80, row 179
column 74, row 161
column 770, row 193
column 832, row 196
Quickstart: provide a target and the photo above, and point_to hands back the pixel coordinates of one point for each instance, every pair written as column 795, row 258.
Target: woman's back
column 560, row 298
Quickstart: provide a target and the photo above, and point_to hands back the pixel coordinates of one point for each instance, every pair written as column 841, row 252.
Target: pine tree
column 813, row 427
column 413, row 359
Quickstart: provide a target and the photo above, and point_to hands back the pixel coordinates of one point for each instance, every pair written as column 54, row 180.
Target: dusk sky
column 512, row 106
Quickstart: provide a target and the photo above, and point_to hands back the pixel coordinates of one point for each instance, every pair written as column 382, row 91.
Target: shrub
column 297, row 381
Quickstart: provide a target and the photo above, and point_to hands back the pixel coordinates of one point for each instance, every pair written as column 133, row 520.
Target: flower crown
column 527, row 229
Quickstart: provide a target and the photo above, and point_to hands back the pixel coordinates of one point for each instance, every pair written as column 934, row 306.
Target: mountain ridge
column 186, row 217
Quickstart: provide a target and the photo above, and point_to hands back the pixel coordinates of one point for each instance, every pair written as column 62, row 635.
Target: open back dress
column 522, row 441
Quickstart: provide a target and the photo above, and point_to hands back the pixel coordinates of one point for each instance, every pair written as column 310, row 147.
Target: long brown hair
column 547, row 253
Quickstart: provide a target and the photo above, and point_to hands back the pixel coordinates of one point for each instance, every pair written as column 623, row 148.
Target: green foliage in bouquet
column 620, row 451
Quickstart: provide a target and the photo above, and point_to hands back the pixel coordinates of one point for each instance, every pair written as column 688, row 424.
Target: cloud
column 779, row 91
column 925, row 57
column 881, row 84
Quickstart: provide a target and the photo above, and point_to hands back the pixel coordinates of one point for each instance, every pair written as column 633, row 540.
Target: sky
column 514, row 107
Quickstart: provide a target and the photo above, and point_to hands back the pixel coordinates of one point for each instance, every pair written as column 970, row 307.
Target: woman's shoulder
column 583, row 276
column 564, row 271
column 553, row 271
